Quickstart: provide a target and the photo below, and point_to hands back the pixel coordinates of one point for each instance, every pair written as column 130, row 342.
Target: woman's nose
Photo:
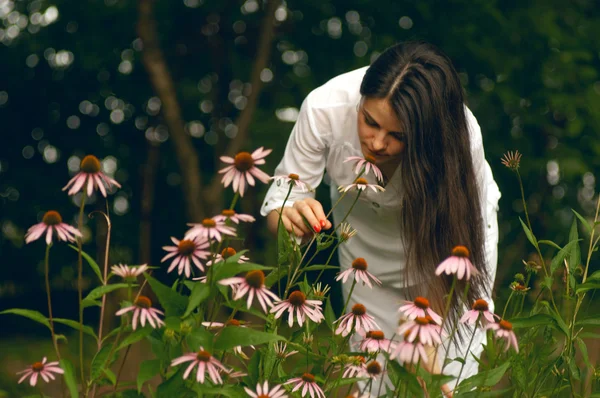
column 378, row 142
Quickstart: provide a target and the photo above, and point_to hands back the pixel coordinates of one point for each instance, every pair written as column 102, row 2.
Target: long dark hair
column 441, row 204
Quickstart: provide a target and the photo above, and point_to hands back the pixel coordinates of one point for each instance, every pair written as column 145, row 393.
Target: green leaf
column 319, row 267
column 592, row 321
column 273, row 276
column 584, row 287
column 529, row 234
column 134, row 337
column 534, row 320
column 90, row 303
column 550, row 243
column 253, row 369
column 399, row 373
column 175, row 387
column 563, row 253
column 33, row 315
column 323, row 242
column 487, row 394
column 173, row 302
column 584, row 353
column 594, row 277
column 200, row 337
column 284, row 244
column 560, row 323
column 75, row 325
column 199, row 294
column 575, row 255
column 110, row 376
column 229, row 270
column 69, row 375
column 329, row 314
column 101, row 361
column 93, row 264
column 486, row 378
column 573, row 367
column 102, row 290
column 583, row 221
column 148, row 369
column 234, row 336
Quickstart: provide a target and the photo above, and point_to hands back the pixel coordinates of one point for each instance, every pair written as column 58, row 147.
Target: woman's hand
column 293, row 218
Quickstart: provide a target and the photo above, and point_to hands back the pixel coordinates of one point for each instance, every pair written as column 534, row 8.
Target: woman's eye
column 399, row 136
column 370, row 123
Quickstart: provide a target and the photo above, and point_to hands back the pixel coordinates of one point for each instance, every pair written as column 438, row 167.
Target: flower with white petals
column 52, row 223
column 361, row 184
column 298, row 304
column 209, row 229
column 419, row 307
column 480, row 308
column 346, row 232
column 504, row 330
column 229, row 214
column 264, row 392
column 243, row 169
column 294, row 180
column 359, row 270
column 358, row 319
column 205, row 362
column 368, row 162
column 307, row 384
column 40, row 369
column 254, row 285
column 184, row 253
column 281, row 351
column 127, row 272
column 91, row 173
column 458, row 263
column 142, row 310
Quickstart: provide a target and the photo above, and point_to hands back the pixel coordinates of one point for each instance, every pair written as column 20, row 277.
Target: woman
column 406, row 113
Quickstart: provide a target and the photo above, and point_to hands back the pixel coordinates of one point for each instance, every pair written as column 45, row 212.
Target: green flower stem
column 278, row 225
column 454, row 328
column 349, row 295
column 445, row 315
column 234, row 200
column 467, row 352
column 79, row 285
column 328, row 260
column 47, row 279
column 507, row 301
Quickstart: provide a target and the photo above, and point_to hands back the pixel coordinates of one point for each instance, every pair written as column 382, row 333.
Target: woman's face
column 380, row 132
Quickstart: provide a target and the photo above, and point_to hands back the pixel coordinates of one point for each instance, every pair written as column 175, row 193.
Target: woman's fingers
column 308, row 213
column 317, row 209
column 296, row 220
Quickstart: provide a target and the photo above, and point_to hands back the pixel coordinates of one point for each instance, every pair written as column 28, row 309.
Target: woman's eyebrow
column 375, row 122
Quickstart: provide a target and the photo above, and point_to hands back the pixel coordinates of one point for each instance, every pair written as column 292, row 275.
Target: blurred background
column 160, row 89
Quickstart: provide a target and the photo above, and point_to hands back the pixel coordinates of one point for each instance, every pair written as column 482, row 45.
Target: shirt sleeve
column 478, row 155
column 305, row 155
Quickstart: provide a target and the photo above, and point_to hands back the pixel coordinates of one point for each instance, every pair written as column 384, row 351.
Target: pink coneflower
column 504, row 330
column 43, row 369
column 372, row 370
column 225, row 254
column 293, row 179
column 186, row 252
column 512, row 160
column 264, row 392
column 209, row 229
column 358, row 319
column 480, row 307
column 52, row 222
column 424, row 328
column 419, row 307
column 92, row 174
column 243, row 169
column 409, row 352
column 297, row 303
column 355, row 368
column 307, row 384
column 361, row 184
column 142, row 309
column 458, row 263
column 127, row 272
column 368, row 162
column 232, row 322
column 206, row 363
column 233, row 216
column 253, row 284
column 359, row 269
column 281, row 351
column 375, row 341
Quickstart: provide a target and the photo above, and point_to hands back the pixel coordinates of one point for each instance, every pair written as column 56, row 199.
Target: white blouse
column 324, row 135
